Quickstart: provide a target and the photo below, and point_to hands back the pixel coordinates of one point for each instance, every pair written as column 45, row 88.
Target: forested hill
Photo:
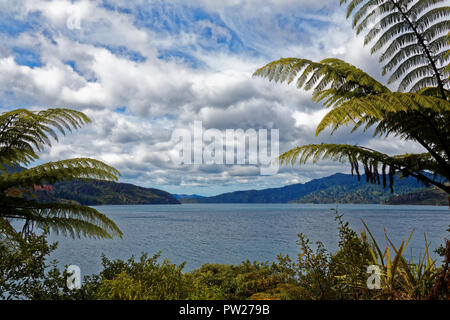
column 338, row 188
column 432, row 196
column 101, row 192
column 94, row 192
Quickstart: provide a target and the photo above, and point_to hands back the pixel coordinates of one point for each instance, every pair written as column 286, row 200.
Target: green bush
column 236, row 282
column 142, row 279
column 24, row 273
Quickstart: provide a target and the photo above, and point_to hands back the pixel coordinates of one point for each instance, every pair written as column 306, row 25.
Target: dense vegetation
column 314, row 274
column 431, row 196
column 362, row 193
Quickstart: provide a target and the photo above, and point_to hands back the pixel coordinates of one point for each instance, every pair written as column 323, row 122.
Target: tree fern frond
column 447, row 69
column 411, row 116
column 68, row 219
column 416, row 74
column 431, row 16
column 415, row 53
column 331, row 79
column 371, row 160
column 432, row 91
column 400, row 56
column 435, row 30
column 404, row 46
column 414, row 62
column 419, row 7
column 361, row 23
column 404, row 40
column 24, row 132
column 65, row 170
column 407, row 31
column 380, row 106
column 426, row 83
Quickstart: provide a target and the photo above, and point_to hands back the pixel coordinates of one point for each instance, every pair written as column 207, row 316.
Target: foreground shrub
column 24, row 273
column 343, row 274
column 143, row 279
column 241, row 281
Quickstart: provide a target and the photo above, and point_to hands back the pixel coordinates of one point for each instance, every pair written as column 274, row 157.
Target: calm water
column 231, row 233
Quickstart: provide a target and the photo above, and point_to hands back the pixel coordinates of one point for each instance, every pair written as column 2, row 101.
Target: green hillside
column 367, row 193
column 433, row 196
column 100, row 192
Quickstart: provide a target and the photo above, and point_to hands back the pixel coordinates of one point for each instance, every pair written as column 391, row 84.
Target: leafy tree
column 24, row 271
column 23, row 133
column 413, row 36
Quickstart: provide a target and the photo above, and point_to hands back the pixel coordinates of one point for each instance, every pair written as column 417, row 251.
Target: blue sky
column 140, row 69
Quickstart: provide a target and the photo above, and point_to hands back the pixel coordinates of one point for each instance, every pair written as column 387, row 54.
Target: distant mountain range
column 187, row 196
column 338, row 188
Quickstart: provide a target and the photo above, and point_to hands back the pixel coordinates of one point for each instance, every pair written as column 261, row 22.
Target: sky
column 141, row 69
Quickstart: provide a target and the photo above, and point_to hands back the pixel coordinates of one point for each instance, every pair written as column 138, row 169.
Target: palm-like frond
column 333, row 81
column 411, row 34
column 372, row 109
column 447, row 56
column 65, row 170
column 68, row 219
column 359, row 100
column 23, row 133
column 412, row 116
column 378, row 167
column 415, row 37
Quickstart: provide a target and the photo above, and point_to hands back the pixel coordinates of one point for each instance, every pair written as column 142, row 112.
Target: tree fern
column 412, row 37
column 52, row 172
column 378, row 167
column 358, row 100
column 332, row 80
column 68, row 219
column 23, row 133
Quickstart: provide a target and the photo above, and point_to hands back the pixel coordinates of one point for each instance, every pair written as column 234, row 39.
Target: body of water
column 231, row 233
